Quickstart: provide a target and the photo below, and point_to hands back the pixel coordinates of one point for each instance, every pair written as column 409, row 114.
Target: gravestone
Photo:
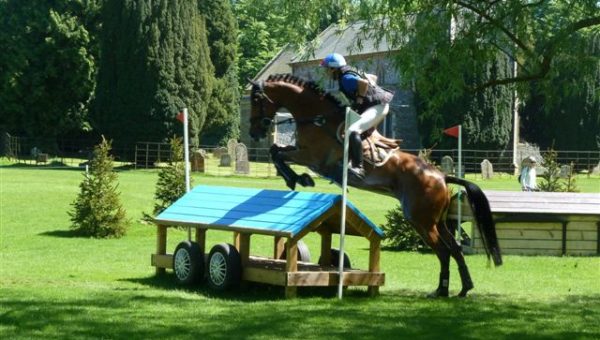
column 596, row 169
column 198, row 157
column 231, row 144
column 447, row 165
column 565, row 170
column 218, row 152
column 225, row 160
column 487, row 169
column 241, row 159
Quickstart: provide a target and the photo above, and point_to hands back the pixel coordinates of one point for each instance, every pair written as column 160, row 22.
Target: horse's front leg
column 280, row 154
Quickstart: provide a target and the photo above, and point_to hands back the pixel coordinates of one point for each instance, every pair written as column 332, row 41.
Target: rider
column 368, row 99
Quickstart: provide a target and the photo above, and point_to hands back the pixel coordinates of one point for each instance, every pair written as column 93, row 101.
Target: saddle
column 377, row 149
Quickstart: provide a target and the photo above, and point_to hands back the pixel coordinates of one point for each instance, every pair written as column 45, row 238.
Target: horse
column 420, row 187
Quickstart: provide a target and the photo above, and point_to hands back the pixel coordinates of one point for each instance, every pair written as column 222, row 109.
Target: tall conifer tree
column 222, row 121
column 155, row 61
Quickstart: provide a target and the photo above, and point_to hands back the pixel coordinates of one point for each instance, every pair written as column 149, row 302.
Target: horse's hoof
column 306, row 181
column 463, row 292
column 291, row 184
column 438, row 293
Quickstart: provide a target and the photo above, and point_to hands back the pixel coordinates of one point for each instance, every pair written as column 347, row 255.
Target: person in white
column 528, row 174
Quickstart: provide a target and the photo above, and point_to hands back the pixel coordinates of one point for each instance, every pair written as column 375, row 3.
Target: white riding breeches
column 370, row 118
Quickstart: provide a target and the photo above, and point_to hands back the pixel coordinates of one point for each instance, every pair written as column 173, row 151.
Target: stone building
column 371, row 57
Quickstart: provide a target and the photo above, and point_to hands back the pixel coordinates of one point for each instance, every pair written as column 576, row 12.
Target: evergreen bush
column 97, row 210
column 171, row 179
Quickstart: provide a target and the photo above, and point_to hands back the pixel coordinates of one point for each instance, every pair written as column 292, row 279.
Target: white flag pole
column 186, row 149
column 344, row 200
column 186, row 152
column 460, row 175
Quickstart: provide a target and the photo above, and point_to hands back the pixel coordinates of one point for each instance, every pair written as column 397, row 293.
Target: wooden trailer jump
column 288, row 216
column 541, row 223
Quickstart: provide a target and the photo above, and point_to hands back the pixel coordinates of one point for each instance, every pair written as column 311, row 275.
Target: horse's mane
column 306, row 84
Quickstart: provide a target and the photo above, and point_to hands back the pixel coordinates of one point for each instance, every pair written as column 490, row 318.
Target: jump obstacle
column 288, row 216
column 540, row 223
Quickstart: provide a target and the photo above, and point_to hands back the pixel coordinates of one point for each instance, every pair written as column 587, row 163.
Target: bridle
column 258, row 94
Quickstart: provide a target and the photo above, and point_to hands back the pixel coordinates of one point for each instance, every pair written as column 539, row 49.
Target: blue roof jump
column 261, row 211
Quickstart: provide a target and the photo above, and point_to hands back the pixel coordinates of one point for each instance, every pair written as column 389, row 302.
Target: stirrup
column 358, row 172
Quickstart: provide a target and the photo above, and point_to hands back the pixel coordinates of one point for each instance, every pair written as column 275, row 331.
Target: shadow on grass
column 152, row 314
column 246, row 292
column 61, row 234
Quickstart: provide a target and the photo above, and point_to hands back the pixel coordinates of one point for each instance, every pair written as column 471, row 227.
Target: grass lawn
column 56, row 286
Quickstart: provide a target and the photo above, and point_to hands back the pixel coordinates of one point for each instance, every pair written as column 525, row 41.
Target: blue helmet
column 334, row 60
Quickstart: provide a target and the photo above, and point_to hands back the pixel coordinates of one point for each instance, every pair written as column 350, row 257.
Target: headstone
column 241, row 159
column 565, row 170
column 596, row 169
column 225, row 160
column 487, row 170
column 198, row 160
column 447, row 165
column 231, row 144
column 219, row 151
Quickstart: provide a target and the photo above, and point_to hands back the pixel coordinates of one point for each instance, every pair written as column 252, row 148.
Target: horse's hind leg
column 434, row 240
column 457, row 254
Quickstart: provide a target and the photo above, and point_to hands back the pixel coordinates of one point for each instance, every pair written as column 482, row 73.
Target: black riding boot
column 356, row 154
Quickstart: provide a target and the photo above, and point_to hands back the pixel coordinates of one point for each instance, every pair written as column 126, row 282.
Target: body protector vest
column 375, row 94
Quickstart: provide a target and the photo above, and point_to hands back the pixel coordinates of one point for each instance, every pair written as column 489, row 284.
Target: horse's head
column 262, row 111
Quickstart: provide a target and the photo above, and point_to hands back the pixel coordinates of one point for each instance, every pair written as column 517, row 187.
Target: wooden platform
column 287, row 216
column 541, row 223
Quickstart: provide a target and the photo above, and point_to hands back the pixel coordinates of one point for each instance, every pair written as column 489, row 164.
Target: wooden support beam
column 244, row 248
column 201, row 238
column 236, row 239
column 278, row 247
column 291, row 265
column 326, row 248
column 161, row 245
column 374, row 262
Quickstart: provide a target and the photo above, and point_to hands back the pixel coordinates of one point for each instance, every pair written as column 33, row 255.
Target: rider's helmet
column 333, row 60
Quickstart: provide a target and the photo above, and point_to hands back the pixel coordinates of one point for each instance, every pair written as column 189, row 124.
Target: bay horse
column 421, row 188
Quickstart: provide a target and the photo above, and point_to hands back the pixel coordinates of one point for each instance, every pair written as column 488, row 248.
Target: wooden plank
column 352, row 278
column 162, row 261
column 262, row 275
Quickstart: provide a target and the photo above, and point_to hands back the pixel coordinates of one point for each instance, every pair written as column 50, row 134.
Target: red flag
column 180, row 116
column 452, row 131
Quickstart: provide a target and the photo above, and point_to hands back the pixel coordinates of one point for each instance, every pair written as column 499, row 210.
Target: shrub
column 399, row 233
column 97, row 210
column 551, row 178
column 171, row 179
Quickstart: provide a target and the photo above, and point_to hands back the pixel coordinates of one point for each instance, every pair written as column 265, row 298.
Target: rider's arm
column 362, row 87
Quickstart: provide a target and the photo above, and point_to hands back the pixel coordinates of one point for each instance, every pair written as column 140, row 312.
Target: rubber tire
column 188, row 263
column 303, row 252
column 335, row 259
column 224, row 267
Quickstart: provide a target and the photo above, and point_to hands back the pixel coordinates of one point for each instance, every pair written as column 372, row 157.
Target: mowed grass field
column 56, row 286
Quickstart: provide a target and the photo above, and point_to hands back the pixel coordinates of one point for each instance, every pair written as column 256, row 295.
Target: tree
column 155, row 61
column 47, row 67
column 97, row 211
column 222, row 121
column 267, row 26
column 440, row 62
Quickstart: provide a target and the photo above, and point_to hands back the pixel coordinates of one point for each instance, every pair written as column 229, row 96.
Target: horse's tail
column 483, row 217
